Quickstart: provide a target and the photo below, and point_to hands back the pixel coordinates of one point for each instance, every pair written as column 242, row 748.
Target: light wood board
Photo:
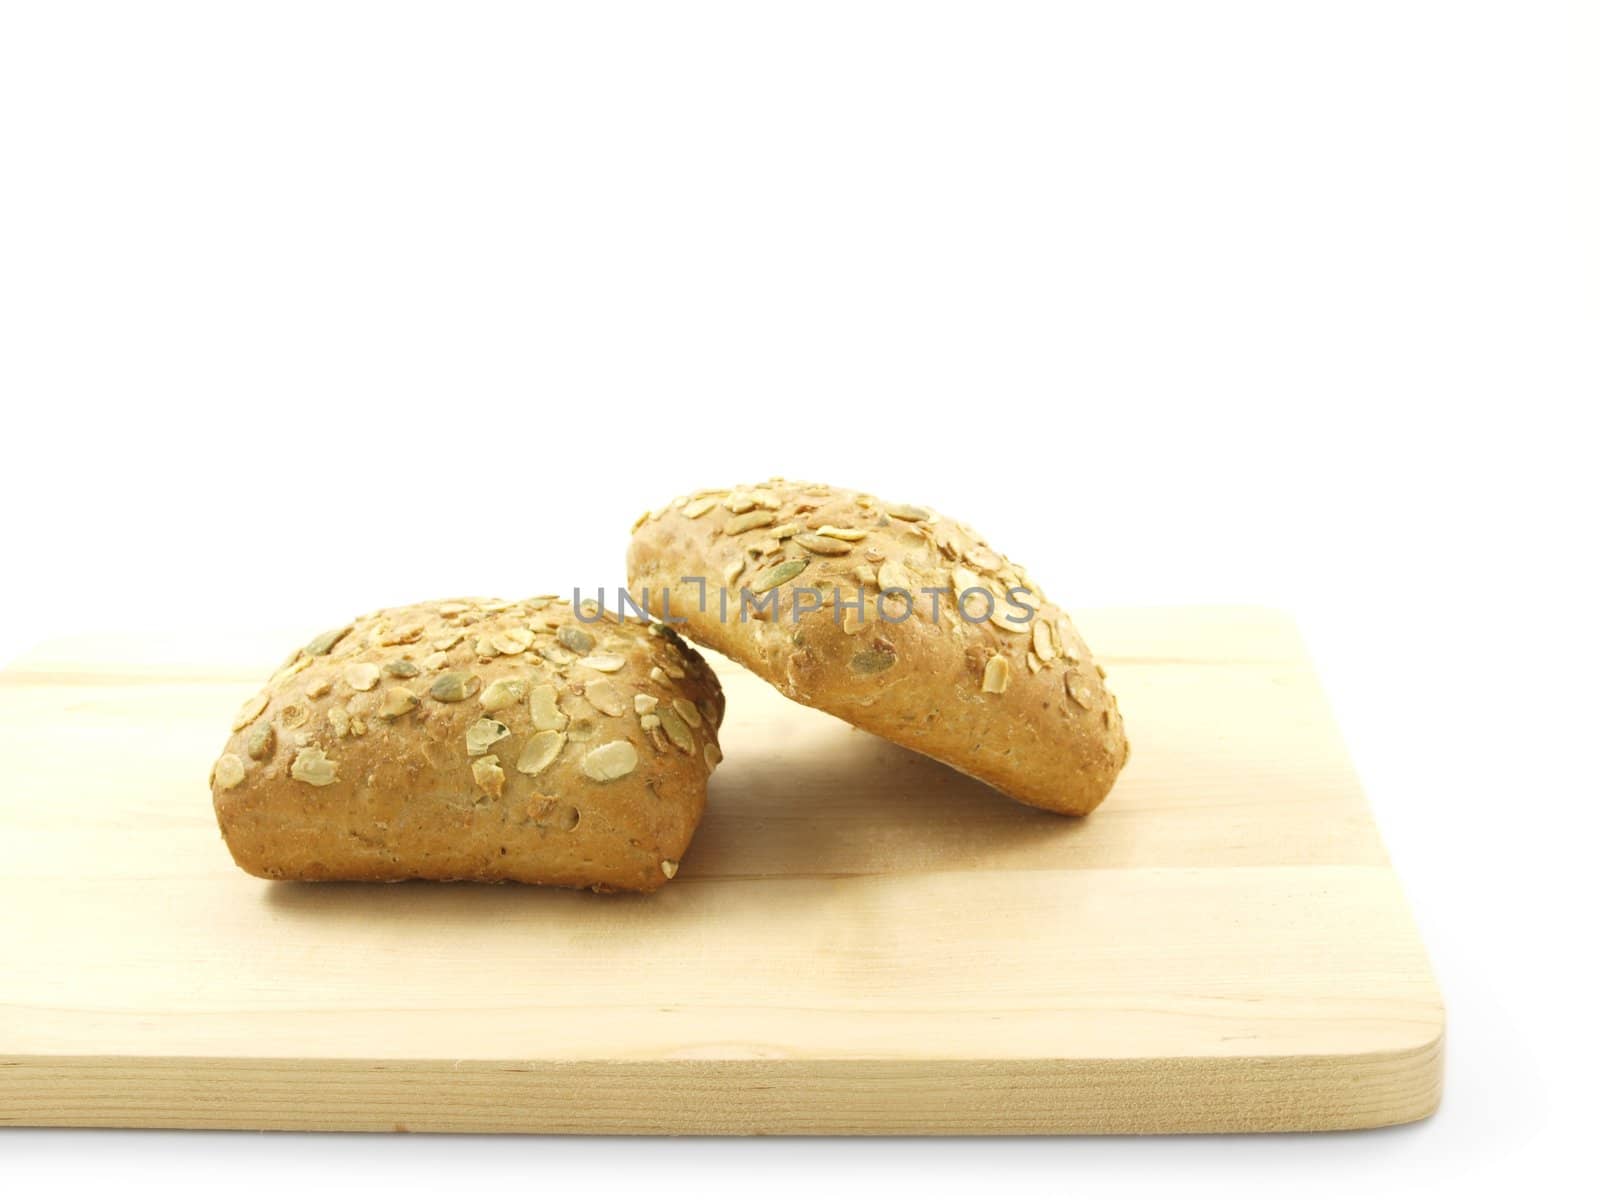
column 860, row 940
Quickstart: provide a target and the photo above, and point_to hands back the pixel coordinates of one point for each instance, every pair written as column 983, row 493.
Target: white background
column 307, row 309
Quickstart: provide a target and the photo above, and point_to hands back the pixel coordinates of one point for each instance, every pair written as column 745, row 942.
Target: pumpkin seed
column 454, row 686
column 262, row 741
column 401, row 668
column 577, row 640
column 870, row 662
column 713, row 755
column 250, row 710
column 324, row 642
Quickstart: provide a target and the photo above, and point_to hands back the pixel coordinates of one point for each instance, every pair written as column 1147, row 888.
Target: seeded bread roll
column 475, row 739
column 1013, row 698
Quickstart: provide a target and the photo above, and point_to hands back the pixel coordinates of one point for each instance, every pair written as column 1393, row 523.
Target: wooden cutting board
column 860, row 941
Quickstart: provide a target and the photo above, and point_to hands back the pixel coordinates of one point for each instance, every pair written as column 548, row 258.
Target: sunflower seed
column 312, row 766
column 747, row 521
column 700, row 507
column 318, row 688
column 339, row 720
column 262, row 741
column 907, row 512
column 688, row 712
column 482, row 734
column 893, row 575
column 787, row 530
column 997, row 675
column 229, row 771
column 649, row 721
column 397, row 701
column 607, row 697
column 453, row 609
column 766, row 498
column 676, row 729
column 603, row 662
column 643, row 703
column 448, row 641
column 502, row 693
column 1034, row 665
column 540, row 751
column 820, row 544
column 843, row 533
column 363, row 677
column 610, row 761
column 324, row 642
column 435, row 660
column 1010, row 622
column 454, row 686
column 489, row 777
column 250, row 710
column 577, row 640
column 669, row 867
column 542, row 707
column 738, row 502
column 1080, row 691
column 963, row 580
column 778, row 574
column 1043, row 644
column 512, row 641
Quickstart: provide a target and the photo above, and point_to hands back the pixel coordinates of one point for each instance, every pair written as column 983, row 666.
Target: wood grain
column 861, row 940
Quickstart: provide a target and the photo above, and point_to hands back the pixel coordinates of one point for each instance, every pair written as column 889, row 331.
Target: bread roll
column 1004, row 690
column 474, row 739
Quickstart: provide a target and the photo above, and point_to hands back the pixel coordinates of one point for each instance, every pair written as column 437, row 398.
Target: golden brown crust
column 475, row 739
column 1014, row 700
